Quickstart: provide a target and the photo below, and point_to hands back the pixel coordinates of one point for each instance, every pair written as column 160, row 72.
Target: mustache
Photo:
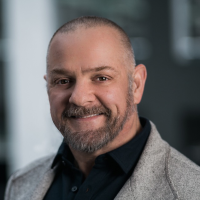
column 79, row 111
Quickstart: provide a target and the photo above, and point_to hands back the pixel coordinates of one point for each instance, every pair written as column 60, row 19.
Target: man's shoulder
column 178, row 160
column 39, row 165
column 27, row 177
column 183, row 174
column 167, row 170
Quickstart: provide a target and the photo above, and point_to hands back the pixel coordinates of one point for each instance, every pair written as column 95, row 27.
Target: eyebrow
column 96, row 69
column 59, row 71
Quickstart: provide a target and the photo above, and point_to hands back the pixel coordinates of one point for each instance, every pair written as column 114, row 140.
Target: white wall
column 28, row 27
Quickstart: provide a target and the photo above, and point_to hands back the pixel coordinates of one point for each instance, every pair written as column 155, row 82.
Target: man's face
column 90, row 96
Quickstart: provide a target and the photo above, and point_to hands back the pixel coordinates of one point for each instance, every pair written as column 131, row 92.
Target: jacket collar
column 149, row 179
column 45, row 182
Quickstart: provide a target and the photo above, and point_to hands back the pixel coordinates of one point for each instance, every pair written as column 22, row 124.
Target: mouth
column 85, row 116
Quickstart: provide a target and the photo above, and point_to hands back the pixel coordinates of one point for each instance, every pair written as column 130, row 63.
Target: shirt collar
column 64, row 153
column 128, row 155
column 125, row 156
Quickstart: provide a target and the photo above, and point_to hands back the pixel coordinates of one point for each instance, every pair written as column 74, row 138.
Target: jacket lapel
column 149, row 179
column 44, row 184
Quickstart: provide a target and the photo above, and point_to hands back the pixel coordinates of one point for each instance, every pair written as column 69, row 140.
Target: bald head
column 88, row 22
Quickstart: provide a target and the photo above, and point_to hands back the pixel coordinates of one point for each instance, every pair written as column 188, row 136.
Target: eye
column 63, row 81
column 103, row 78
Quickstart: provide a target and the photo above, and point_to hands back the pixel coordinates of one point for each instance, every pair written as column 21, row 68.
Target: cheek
column 58, row 103
column 114, row 99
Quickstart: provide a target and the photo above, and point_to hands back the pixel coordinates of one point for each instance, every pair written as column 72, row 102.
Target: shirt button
column 74, row 189
column 64, row 163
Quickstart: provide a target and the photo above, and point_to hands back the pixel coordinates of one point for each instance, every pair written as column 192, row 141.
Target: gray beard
column 92, row 140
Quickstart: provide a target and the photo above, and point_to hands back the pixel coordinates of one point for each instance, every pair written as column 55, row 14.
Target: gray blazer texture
column 162, row 173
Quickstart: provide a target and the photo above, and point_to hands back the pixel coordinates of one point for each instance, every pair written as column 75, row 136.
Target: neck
column 85, row 161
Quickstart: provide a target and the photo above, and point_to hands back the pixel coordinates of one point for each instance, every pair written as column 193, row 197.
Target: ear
column 140, row 75
column 45, row 77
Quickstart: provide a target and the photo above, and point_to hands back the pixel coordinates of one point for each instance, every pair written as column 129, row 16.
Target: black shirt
column 109, row 174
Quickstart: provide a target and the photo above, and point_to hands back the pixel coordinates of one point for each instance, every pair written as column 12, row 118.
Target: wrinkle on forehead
column 106, row 34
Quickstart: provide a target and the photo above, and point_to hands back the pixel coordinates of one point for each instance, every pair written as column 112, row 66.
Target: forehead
column 87, row 47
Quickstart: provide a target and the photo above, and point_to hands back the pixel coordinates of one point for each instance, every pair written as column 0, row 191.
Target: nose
column 82, row 94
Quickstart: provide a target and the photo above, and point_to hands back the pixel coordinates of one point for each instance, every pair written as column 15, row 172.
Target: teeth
column 87, row 116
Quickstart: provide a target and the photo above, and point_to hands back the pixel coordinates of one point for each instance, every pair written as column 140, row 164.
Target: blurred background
column 165, row 36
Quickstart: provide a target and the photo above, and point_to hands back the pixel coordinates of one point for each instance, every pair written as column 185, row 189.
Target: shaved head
column 87, row 22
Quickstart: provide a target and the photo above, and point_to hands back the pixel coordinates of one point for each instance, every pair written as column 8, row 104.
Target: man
column 108, row 152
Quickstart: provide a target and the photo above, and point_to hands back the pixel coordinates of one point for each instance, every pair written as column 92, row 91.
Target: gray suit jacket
column 161, row 173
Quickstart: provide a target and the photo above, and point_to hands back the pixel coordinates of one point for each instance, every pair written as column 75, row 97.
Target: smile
column 86, row 116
